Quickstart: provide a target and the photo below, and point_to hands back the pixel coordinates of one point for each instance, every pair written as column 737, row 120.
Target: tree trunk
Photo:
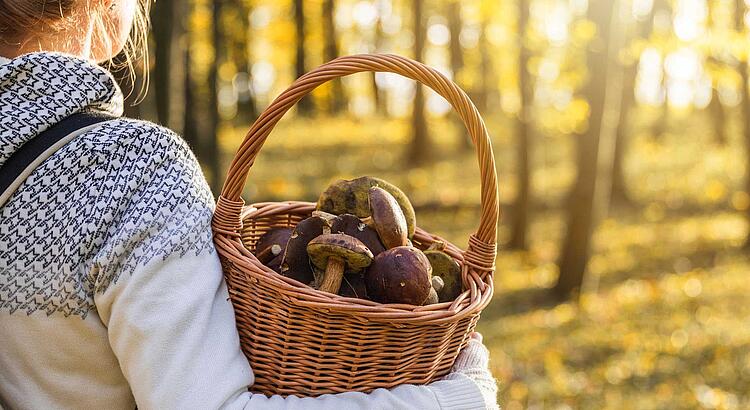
column 304, row 106
column 380, row 100
column 189, row 124
column 167, row 73
column 457, row 63
column 129, row 85
column 213, row 160
column 337, row 101
column 662, row 8
column 718, row 118
column 739, row 22
column 619, row 194
column 661, row 125
column 420, row 150
column 485, row 68
column 247, row 109
column 523, row 138
column 577, row 241
column 716, row 108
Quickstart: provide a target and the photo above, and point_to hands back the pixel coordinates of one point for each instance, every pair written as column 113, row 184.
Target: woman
column 111, row 292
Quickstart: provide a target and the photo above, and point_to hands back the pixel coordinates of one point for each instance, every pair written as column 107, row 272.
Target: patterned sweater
column 111, row 292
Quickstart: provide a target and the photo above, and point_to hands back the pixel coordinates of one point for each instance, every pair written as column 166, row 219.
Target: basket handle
column 482, row 245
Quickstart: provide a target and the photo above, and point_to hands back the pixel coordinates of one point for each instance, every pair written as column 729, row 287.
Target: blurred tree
column 130, row 85
column 419, row 149
column 485, row 67
column 212, row 156
column 241, row 40
column 189, row 123
column 337, row 101
column 662, row 12
column 739, row 22
column 619, row 195
column 576, row 244
column 380, row 100
column 715, row 107
column 305, row 105
column 457, row 63
column 168, row 82
column 521, row 204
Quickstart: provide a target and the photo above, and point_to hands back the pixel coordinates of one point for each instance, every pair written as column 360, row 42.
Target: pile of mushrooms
column 358, row 244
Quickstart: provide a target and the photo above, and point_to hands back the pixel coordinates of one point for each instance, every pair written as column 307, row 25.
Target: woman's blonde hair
column 22, row 18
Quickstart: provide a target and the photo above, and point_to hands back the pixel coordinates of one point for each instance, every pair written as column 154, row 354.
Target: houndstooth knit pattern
column 116, row 198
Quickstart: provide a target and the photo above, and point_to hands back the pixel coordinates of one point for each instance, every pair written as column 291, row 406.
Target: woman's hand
column 473, row 362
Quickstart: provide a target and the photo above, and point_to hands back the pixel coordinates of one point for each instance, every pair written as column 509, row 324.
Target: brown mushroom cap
column 272, row 244
column 296, row 263
column 275, row 263
column 399, row 275
column 388, row 218
column 449, row 271
column 355, row 254
column 335, row 253
column 353, row 226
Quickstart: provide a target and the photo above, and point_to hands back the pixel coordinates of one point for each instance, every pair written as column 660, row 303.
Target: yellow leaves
column 715, row 191
column 692, row 287
column 740, row 201
column 584, row 30
column 518, row 391
column 579, row 109
column 679, row 339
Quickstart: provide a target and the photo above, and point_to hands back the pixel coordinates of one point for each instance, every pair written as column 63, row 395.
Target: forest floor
column 664, row 318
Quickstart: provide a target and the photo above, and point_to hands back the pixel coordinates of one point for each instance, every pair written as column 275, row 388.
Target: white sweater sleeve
column 161, row 294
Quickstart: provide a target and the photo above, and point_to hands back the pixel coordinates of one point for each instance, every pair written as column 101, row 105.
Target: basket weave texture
column 304, row 342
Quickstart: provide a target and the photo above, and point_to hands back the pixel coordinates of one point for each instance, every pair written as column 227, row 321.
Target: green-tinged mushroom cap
column 351, row 197
column 336, row 253
column 449, row 271
column 354, row 253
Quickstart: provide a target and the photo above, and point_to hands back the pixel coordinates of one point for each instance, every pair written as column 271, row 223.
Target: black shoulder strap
column 20, row 160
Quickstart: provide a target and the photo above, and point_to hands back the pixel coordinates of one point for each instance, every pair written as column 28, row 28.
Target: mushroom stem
column 333, row 276
column 437, row 246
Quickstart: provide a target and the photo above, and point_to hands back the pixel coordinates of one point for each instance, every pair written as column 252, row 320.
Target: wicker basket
column 301, row 341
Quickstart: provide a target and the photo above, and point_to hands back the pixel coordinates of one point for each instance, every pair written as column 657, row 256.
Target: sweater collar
column 39, row 89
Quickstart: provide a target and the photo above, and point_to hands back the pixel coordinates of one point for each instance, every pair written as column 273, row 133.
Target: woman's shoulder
column 132, row 135
column 140, row 156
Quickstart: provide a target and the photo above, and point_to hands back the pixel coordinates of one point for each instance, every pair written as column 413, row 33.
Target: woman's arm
column 161, row 294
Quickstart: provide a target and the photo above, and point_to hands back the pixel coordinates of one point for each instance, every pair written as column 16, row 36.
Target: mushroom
column 432, row 297
column 272, row 244
column 335, row 253
column 437, row 284
column 399, row 275
column 387, row 218
column 275, row 263
column 352, row 197
column 437, row 281
column 353, row 286
column 447, row 269
column 353, row 226
column 295, row 263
